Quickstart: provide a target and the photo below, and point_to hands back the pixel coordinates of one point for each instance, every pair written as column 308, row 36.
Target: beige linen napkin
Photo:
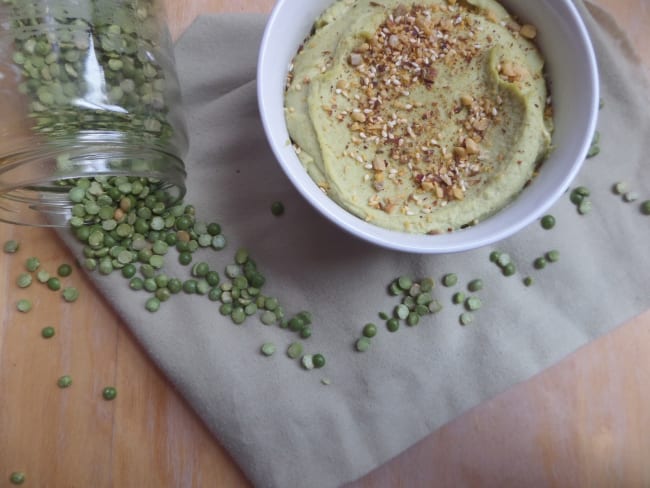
column 282, row 425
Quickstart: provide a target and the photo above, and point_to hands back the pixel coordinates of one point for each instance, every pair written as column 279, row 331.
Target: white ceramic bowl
column 572, row 70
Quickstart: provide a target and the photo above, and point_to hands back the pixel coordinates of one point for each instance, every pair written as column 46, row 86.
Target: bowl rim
column 451, row 242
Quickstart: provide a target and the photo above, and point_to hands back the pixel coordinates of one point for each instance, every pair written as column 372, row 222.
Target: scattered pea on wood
column 24, row 305
column 48, row 332
column 17, row 478
column 11, row 246
column 109, row 393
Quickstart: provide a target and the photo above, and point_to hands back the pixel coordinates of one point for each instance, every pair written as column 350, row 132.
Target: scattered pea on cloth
column 268, row 349
column 369, row 330
column 579, row 196
column 548, row 222
column 466, row 318
column 473, row 303
column 294, row 350
column 392, row 324
column 630, row 196
column 318, row 360
column 458, row 297
column 539, row 263
column 475, row 285
column 277, row 208
column 594, row 148
column 363, row 344
column 553, row 256
column 450, row 279
column 307, row 361
column 645, row 207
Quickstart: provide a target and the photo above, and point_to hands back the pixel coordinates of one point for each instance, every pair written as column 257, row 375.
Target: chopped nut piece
column 429, row 75
column 363, row 47
column 481, row 125
column 491, row 16
column 508, row 69
column 466, row 100
column 389, row 207
column 379, row 164
column 358, row 117
column 427, row 186
column 458, row 193
column 513, row 26
column 528, row 31
column 460, row 152
column 471, row 146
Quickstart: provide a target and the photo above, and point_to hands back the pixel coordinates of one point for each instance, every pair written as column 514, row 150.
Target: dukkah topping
column 406, row 53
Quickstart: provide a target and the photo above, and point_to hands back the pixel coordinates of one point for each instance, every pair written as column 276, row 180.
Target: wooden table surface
column 584, row 422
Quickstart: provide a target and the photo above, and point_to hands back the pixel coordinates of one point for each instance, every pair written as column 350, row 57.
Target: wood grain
column 580, row 423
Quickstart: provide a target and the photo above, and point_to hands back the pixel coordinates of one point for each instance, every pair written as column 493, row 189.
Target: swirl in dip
column 422, row 117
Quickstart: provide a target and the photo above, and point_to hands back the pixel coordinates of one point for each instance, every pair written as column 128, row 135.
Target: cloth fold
column 283, row 426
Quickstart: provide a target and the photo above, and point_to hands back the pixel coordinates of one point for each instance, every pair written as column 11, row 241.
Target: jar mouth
column 34, row 182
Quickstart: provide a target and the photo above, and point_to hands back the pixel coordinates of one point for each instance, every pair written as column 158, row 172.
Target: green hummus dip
column 422, row 117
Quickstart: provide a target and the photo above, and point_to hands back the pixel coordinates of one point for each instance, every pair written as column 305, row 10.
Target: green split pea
column 70, row 294
column 645, row 207
column 109, row 393
column 17, row 478
column 11, row 246
column 24, row 280
column 362, row 344
column 450, row 279
column 23, row 305
column 268, row 349
column 277, row 208
column 48, row 332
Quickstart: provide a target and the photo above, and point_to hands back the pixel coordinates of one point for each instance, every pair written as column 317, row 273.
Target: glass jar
column 88, row 90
